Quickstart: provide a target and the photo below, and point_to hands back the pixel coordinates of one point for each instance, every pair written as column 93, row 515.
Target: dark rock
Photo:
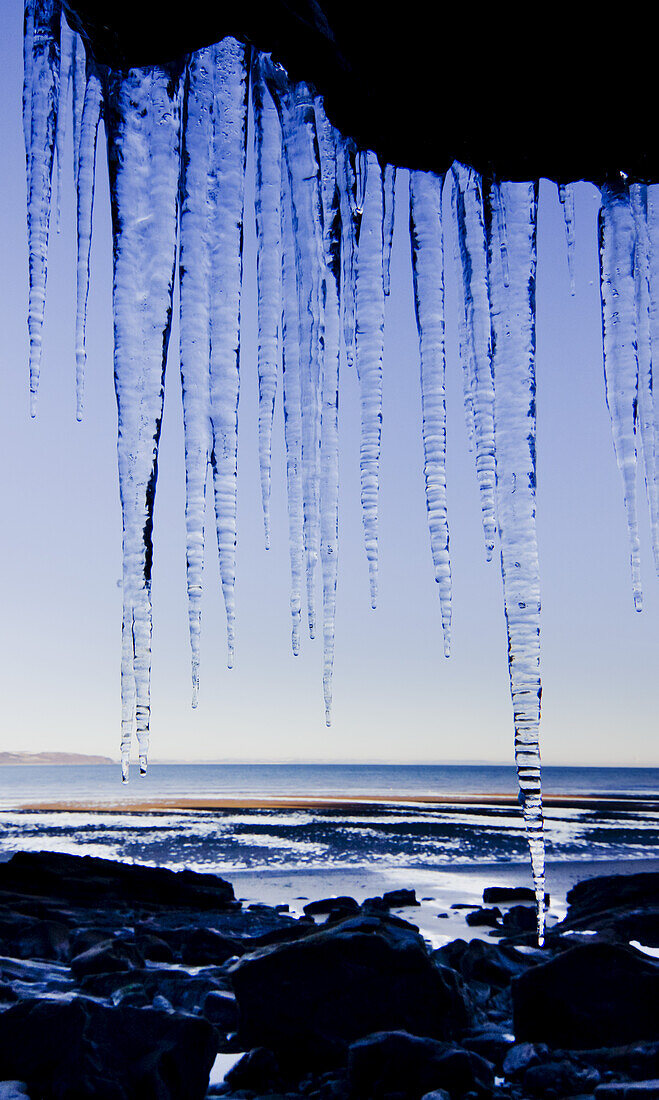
column 89, row 937
column 203, row 946
column 607, row 892
column 257, row 1070
column 67, row 1051
column 398, row 1063
column 375, row 905
column 7, row 994
column 591, row 995
column 554, row 1078
column 506, row 895
column 521, row 1057
column 326, row 906
column 154, row 948
column 349, row 55
column 520, row 918
column 88, row 881
column 43, row 939
column 108, row 957
column 480, row 961
column 398, row 899
column 186, row 992
column 487, row 918
column 491, row 1044
column 635, row 1060
column 221, row 1010
column 436, row 1094
column 339, row 985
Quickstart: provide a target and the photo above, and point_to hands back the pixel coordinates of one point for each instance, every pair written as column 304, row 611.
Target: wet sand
column 310, row 802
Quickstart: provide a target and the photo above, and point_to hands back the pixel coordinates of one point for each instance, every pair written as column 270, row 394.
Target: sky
column 396, row 698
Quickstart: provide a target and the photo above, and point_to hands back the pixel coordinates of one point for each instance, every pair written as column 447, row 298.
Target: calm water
column 385, row 836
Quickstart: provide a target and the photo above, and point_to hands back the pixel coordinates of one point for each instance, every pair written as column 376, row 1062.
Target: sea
column 387, row 828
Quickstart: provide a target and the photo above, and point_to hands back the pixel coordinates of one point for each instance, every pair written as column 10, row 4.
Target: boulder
column 328, row 906
column 340, row 984
column 484, row 918
column 409, row 1066
column 65, row 1051
column 398, row 899
column 559, row 1078
column 257, row 1070
column 520, row 918
column 107, row 957
column 592, row 995
column 480, row 961
column 625, row 1090
column 43, row 939
column 619, row 907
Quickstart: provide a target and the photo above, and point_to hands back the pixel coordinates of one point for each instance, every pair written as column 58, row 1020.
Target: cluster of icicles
column 176, row 140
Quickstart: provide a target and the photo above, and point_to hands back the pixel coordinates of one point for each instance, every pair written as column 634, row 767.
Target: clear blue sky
column 396, row 697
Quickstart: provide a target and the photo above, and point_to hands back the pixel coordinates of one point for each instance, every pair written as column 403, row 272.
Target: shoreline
column 309, row 802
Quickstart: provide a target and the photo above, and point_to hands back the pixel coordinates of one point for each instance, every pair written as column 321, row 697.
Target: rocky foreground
column 121, row 982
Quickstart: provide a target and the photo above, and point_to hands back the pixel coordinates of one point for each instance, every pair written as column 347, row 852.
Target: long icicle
column 389, row 185
column 617, row 240
column 653, row 279
column 639, row 201
column 143, row 129
column 267, row 146
column 428, row 273
column 66, row 61
column 475, row 344
column 512, row 296
column 40, row 100
column 369, row 308
column 329, row 426
column 86, row 173
column 292, row 410
column 227, row 200
column 194, row 279
column 296, row 112
column 566, row 197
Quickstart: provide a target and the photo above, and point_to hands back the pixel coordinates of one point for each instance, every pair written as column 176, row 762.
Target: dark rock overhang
column 518, row 93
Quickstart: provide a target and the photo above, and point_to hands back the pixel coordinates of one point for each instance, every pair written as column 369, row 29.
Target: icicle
column 389, row 211
column 292, row 410
column 296, row 111
column 370, row 347
column 566, row 196
column 350, row 221
column 227, row 193
column 620, row 362
column 85, row 187
column 79, row 84
column 428, row 271
column 40, row 98
column 194, row 275
column 143, row 128
column 267, row 144
column 475, row 349
column 639, row 202
column 512, row 296
column 652, row 227
column 329, row 429
column 66, row 58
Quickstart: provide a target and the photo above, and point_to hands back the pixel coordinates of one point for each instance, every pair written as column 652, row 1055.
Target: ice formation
column 176, row 142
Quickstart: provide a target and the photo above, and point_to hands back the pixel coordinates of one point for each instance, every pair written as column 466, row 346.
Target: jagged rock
column 202, row 946
column 94, row 882
column 591, row 995
column 636, row 1060
column 65, row 1051
column 339, row 985
column 491, row 1043
column 107, row 957
column 186, row 992
column 154, row 948
column 436, row 1094
column 480, row 961
column 395, row 1062
column 485, row 918
column 324, row 906
column 89, row 937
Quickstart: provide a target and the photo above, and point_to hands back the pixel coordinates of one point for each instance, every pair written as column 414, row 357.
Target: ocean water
column 398, row 833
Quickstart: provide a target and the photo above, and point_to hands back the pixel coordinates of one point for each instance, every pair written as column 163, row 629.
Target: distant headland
column 52, row 758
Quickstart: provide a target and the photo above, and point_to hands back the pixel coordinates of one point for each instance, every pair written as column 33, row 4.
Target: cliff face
column 517, row 96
